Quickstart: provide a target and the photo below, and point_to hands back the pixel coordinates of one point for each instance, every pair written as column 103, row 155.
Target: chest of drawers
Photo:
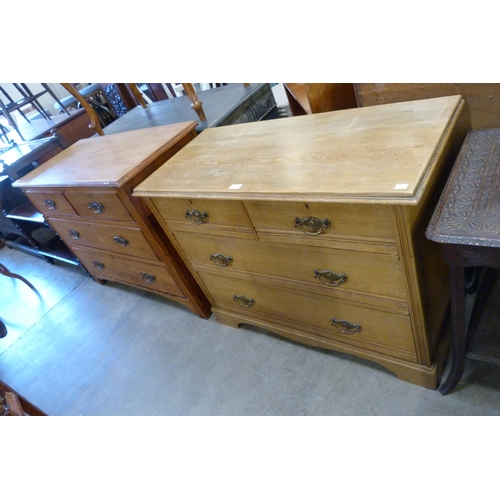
column 85, row 194
column 312, row 227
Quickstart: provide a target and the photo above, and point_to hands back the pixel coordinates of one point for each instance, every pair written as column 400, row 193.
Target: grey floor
column 79, row 348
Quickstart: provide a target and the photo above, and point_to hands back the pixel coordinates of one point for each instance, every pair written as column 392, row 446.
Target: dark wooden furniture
column 28, row 408
column 226, row 105
column 85, row 193
column 71, row 128
column 311, row 98
column 467, row 222
column 22, row 226
column 482, row 99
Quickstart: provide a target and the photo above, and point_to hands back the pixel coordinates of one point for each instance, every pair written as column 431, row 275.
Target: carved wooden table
column 467, row 222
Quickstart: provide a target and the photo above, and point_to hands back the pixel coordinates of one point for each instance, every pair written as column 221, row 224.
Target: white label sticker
column 401, row 186
column 235, row 186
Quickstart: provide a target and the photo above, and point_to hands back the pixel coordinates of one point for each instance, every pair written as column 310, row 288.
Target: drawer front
column 98, row 204
column 50, row 203
column 114, row 267
column 205, row 216
column 356, row 325
column 120, row 239
column 328, row 270
column 316, row 222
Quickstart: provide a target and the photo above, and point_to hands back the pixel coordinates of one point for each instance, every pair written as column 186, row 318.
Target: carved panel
column 469, row 209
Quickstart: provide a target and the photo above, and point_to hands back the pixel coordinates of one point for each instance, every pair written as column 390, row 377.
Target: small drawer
column 315, row 222
column 334, row 319
column 328, row 270
column 98, row 204
column 119, row 239
column 109, row 266
column 50, row 203
column 225, row 217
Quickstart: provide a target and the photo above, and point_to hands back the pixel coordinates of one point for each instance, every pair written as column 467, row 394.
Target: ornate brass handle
column 221, row 260
column 330, row 278
column 50, row 204
column 96, row 207
column 311, row 225
column 244, row 301
column 74, row 234
column 99, row 265
column 196, row 216
column 148, row 278
column 121, row 241
column 344, row 326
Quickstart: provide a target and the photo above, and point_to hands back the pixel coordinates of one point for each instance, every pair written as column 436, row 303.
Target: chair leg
column 6, row 272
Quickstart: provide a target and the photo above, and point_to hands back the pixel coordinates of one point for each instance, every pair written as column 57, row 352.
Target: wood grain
column 379, row 152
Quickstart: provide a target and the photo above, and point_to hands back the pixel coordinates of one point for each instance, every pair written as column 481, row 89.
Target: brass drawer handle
column 74, row 234
column 50, row 204
column 196, row 216
column 99, row 265
column 121, row 241
column 344, row 326
column 221, row 260
column 330, row 278
column 311, row 225
column 244, row 301
column 148, row 278
column 97, row 208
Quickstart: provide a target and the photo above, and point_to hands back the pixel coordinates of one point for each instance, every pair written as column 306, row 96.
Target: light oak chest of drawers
column 85, row 194
column 313, row 227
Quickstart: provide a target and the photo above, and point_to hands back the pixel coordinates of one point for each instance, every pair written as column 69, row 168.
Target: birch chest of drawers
column 85, row 194
column 313, row 227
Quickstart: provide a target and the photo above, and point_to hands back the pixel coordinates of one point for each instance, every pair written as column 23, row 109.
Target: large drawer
column 356, row 325
column 110, row 266
column 120, row 239
column 205, row 216
column 98, row 204
column 321, row 223
column 327, row 270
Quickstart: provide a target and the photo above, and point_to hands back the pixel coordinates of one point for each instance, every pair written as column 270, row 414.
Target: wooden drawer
column 114, row 267
column 98, row 204
column 377, row 275
column 337, row 222
column 50, row 202
column 367, row 328
column 205, row 216
column 120, row 239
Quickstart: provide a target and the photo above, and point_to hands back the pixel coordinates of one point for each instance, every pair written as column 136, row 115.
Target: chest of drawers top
column 109, row 161
column 383, row 153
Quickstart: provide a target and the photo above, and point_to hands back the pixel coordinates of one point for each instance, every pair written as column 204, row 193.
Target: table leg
column 458, row 329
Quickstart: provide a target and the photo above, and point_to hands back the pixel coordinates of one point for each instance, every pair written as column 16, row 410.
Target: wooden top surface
column 384, row 152
column 106, row 161
column 468, row 212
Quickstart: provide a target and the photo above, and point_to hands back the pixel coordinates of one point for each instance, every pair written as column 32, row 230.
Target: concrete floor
column 79, row 348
